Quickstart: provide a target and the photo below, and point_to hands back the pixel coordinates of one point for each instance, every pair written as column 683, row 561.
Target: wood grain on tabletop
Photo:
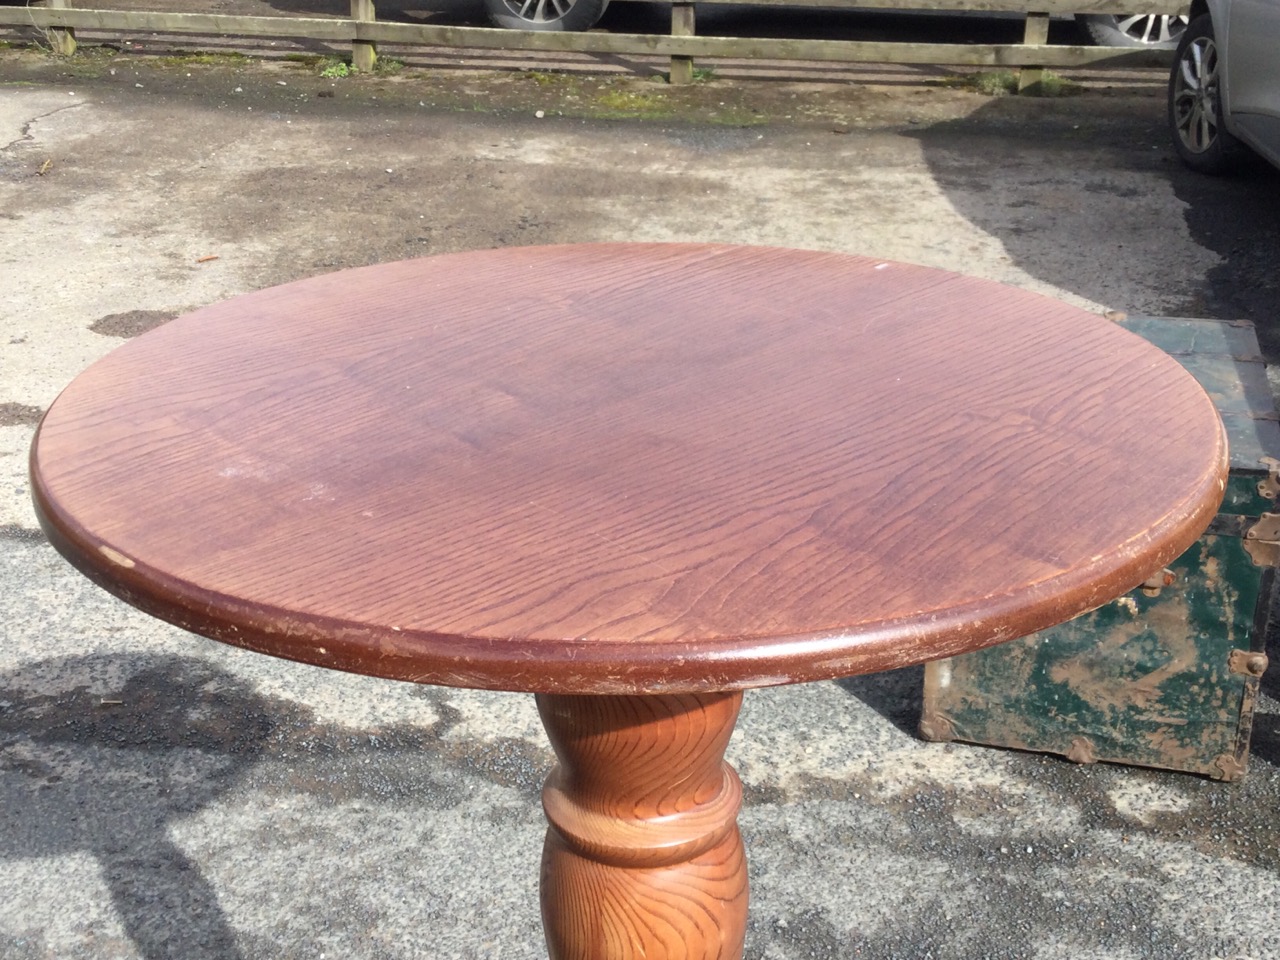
column 628, row 468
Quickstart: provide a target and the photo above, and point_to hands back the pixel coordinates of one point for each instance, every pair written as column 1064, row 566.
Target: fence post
column 61, row 39
column 682, row 25
column 363, row 53
column 1037, row 32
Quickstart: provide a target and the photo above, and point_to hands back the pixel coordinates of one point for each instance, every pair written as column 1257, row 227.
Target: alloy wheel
column 1152, row 28
column 1195, row 95
column 539, row 11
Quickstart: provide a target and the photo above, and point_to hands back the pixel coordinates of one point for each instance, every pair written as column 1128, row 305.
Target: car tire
column 1195, row 102
column 1160, row 31
column 550, row 15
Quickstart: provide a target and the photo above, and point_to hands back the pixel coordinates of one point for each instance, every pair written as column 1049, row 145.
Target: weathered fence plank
column 1054, row 7
column 370, row 31
column 181, row 23
column 682, row 25
column 61, row 39
column 364, row 54
column 1035, row 33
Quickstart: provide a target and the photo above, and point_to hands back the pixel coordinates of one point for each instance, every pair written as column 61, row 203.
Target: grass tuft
column 334, row 68
column 1001, row 83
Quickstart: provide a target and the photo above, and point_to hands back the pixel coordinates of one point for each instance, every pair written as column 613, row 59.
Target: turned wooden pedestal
column 643, row 856
column 634, row 480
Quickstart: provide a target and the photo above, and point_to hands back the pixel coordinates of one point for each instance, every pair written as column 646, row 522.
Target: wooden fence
column 59, row 21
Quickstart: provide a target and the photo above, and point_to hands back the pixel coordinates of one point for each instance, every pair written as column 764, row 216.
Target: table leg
column 643, row 856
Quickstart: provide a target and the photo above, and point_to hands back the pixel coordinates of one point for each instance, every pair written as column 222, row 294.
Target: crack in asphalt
column 25, row 130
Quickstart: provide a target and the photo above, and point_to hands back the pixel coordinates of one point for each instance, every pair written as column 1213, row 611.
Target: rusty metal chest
column 1167, row 675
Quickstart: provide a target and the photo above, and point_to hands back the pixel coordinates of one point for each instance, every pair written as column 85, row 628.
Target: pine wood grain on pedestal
column 643, row 857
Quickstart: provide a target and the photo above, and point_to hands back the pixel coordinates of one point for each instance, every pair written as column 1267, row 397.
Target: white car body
column 1248, row 38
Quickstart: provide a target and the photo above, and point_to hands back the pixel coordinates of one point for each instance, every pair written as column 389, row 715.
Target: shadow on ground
column 1238, row 218
column 1266, row 723
column 109, row 774
column 896, row 695
column 105, row 775
column 1016, row 171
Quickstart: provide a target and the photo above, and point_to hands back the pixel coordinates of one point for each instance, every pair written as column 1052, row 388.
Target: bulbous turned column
column 643, row 857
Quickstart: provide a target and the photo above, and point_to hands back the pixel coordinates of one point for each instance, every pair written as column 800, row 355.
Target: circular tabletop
column 628, row 468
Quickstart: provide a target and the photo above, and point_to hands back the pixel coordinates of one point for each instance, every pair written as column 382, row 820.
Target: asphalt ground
column 162, row 796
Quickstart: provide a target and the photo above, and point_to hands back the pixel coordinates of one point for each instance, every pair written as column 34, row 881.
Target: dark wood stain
column 628, row 468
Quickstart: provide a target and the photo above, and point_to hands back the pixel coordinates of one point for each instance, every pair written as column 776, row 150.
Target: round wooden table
column 634, row 480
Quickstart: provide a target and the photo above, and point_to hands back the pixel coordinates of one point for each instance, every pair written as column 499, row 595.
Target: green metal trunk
column 1167, row 675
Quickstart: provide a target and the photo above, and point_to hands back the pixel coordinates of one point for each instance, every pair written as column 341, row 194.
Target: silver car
column 1224, row 89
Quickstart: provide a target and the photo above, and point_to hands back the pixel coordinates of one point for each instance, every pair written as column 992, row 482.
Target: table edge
column 633, row 667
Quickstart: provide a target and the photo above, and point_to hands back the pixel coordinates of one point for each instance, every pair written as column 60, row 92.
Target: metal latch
column 1269, row 486
column 1251, row 663
column 1262, row 540
column 1154, row 583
